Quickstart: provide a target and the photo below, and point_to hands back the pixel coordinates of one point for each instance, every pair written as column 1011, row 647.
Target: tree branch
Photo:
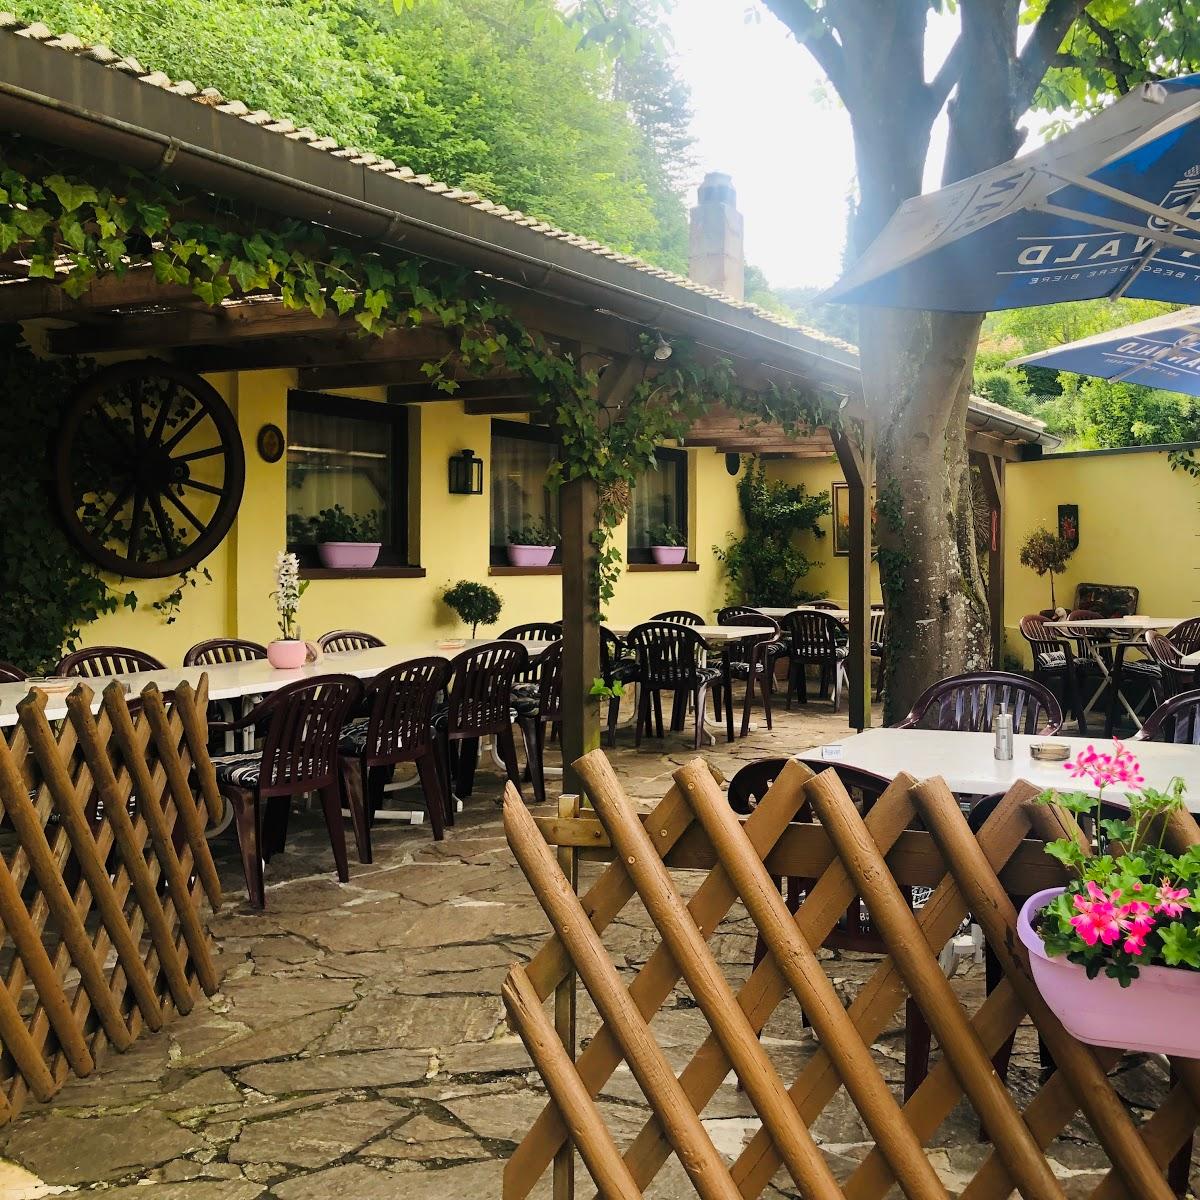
column 1109, row 42
column 809, row 29
column 1040, row 50
column 948, row 75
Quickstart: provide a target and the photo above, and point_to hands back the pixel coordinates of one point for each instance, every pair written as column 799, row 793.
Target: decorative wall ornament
column 1068, row 524
column 270, row 443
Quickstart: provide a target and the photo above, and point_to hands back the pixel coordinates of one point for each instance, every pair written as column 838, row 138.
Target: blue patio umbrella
column 1163, row 352
column 1110, row 208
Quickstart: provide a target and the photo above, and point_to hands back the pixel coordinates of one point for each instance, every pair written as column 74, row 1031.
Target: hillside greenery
column 509, row 98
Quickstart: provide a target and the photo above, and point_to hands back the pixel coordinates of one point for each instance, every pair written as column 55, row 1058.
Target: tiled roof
column 239, row 111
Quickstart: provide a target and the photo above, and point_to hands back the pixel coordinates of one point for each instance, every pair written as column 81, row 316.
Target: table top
column 1191, row 660
column 1127, row 625
column 710, row 633
column 227, row 681
column 966, row 762
column 839, row 614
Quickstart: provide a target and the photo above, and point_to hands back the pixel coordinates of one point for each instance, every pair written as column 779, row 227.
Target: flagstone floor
column 357, row 1045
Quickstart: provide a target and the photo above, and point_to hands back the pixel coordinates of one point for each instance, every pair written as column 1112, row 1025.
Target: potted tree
column 532, row 544
column 1046, row 554
column 289, row 650
column 474, row 604
column 346, row 540
column 1116, row 953
column 667, row 543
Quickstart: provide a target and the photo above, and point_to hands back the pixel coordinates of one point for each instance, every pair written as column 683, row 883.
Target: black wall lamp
column 466, row 474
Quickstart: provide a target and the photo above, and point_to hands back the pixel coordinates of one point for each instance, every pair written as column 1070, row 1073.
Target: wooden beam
column 500, row 408
column 262, row 354
column 767, row 445
column 991, row 443
column 857, row 458
column 27, row 299
column 469, row 389
column 991, row 476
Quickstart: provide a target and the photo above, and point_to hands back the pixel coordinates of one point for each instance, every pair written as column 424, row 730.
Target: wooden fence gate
column 693, row 827
column 103, row 871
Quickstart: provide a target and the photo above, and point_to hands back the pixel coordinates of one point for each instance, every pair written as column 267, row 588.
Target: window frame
column 391, row 554
column 521, row 431
column 640, row 555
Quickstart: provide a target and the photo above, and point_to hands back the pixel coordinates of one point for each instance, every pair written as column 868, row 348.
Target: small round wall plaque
column 270, row 443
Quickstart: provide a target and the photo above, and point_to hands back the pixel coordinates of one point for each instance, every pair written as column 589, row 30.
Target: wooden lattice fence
column 104, row 871
column 693, row 827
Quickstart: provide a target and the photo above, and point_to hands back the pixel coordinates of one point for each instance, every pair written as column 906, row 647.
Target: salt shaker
column 1002, row 730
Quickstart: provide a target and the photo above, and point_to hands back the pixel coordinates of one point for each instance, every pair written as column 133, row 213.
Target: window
column 660, row 497
column 348, row 452
column 521, row 457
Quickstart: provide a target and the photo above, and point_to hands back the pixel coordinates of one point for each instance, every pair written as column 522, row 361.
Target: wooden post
column 564, row 1009
column 581, row 630
column 991, row 472
column 857, row 460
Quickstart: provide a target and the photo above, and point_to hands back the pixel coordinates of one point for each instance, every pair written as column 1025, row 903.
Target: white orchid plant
column 289, row 587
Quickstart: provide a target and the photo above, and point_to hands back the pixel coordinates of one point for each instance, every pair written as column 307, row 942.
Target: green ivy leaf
column 71, row 195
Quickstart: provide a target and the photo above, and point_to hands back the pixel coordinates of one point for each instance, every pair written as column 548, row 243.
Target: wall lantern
column 466, row 474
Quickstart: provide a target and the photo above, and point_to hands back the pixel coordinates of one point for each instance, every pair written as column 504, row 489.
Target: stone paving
column 357, row 1045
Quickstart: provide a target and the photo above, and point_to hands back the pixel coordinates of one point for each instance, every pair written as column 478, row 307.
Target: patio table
column 710, row 633
column 1117, row 633
column 965, row 761
column 228, row 681
column 838, row 614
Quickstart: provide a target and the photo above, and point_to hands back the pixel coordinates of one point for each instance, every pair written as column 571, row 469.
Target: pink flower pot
column 530, row 556
column 667, row 556
column 348, row 556
column 287, row 655
column 1155, row 1014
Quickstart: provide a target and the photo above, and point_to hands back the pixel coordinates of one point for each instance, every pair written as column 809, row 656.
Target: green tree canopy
column 500, row 96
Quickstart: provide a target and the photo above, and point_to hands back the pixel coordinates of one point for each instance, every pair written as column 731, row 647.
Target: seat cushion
column 354, row 736
column 239, row 770
column 626, row 670
column 740, row 669
column 525, row 700
column 1050, row 659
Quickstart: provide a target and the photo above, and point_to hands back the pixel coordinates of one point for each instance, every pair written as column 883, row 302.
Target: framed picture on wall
column 1068, row 524
column 841, row 519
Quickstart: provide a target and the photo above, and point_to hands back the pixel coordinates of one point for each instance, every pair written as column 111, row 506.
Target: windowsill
column 503, row 569
column 362, row 572
column 652, row 566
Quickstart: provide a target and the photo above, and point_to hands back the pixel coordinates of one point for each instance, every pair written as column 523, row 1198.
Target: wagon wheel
column 149, row 469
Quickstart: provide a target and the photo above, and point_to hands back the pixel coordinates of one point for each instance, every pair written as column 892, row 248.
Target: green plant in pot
column 474, row 604
column 347, row 540
column 532, row 544
column 667, row 543
column 1046, row 553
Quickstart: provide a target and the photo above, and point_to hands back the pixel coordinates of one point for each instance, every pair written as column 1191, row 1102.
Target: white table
column 838, row 614
column 1191, row 660
column 228, row 681
column 710, row 633
column 965, row 760
column 1118, row 632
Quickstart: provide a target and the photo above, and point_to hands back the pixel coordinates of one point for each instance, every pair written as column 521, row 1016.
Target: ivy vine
column 76, row 220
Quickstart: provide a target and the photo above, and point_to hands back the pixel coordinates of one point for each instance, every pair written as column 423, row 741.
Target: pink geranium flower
column 1169, row 899
column 1105, row 770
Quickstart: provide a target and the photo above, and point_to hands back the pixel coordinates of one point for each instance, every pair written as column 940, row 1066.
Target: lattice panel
column 104, row 870
column 968, row 868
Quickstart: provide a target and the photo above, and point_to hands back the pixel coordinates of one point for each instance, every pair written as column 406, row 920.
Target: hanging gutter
column 69, row 99
column 984, row 416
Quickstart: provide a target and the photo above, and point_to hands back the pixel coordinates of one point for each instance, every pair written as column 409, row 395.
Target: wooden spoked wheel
column 149, row 469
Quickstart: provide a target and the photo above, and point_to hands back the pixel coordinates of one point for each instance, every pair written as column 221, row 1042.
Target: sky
column 762, row 115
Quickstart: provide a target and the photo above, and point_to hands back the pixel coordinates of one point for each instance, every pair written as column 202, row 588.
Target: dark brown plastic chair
column 967, row 703
column 669, row 655
column 1173, row 676
column 99, row 662
column 399, row 729
column 617, row 665
column 11, row 674
column 533, row 631
column 478, row 704
column 825, row 605
column 680, row 616
column 216, row 651
column 300, row 754
column 534, row 713
column 879, row 631
column 338, row 640
column 1054, row 661
column 1185, row 636
column 817, row 638
column 1178, row 720
column 753, row 658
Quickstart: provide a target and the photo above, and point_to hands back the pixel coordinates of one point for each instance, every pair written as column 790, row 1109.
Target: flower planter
column 667, row 556
column 530, row 556
column 348, row 556
column 287, row 655
column 1156, row 1014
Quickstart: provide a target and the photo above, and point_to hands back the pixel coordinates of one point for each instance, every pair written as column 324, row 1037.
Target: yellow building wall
column 449, row 537
column 830, row 575
column 1139, row 524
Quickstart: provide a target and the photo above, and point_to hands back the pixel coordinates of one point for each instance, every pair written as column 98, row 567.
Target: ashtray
column 451, row 644
column 1050, row 751
column 54, row 685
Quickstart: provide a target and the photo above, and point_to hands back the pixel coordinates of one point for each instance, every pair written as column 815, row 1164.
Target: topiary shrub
column 474, row 604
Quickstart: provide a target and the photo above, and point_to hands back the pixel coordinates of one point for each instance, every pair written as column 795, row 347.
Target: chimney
column 716, row 257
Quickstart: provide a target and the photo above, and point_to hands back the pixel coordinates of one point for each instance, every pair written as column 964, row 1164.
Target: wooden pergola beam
column 29, row 299
column 467, row 390
column 412, row 345
column 499, row 408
